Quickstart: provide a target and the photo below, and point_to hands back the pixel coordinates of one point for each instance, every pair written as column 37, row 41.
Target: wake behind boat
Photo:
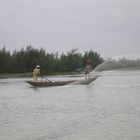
column 61, row 83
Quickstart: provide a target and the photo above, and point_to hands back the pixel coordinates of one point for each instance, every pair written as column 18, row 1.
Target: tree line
column 25, row 60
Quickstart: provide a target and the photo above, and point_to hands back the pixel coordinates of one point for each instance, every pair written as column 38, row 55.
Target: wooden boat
column 61, row 83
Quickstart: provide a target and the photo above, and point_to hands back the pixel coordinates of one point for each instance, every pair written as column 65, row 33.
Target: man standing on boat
column 36, row 72
column 88, row 69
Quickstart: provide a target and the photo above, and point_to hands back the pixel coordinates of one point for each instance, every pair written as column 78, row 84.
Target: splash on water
column 130, row 62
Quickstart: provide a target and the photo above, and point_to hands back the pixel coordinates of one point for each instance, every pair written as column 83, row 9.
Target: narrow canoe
column 60, row 83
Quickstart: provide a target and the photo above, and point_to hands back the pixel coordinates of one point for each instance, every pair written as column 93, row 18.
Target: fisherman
column 36, row 72
column 88, row 69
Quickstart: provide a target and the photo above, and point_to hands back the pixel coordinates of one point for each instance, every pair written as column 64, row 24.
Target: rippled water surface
column 107, row 109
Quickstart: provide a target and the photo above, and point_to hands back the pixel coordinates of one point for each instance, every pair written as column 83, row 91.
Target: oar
column 45, row 79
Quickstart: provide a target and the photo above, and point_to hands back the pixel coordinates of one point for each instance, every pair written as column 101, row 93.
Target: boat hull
column 48, row 84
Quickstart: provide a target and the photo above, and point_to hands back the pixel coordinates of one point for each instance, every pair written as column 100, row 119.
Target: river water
column 107, row 109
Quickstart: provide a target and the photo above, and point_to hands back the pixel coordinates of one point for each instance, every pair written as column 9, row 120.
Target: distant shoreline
column 19, row 75
column 14, row 75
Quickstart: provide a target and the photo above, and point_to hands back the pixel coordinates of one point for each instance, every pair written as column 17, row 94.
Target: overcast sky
column 109, row 27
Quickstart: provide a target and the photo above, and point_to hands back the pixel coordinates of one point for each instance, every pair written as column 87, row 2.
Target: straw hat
column 38, row 66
